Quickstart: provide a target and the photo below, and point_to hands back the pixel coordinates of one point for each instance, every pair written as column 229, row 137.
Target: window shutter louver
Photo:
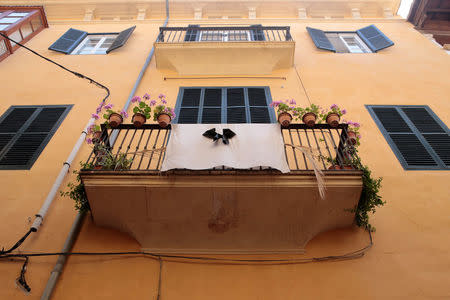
column 188, row 116
column 320, row 39
column 259, row 115
column 374, row 38
column 212, row 115
column 213, row 97
column 257, row 97
column 236, row 115
column 68, row 41
column 258, row 33
column 235, row 97
column 416, row 136
column 191, row 34
column 37, row 127
column 121, row 39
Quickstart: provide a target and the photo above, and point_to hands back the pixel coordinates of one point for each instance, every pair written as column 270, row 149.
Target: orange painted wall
column 409, row 259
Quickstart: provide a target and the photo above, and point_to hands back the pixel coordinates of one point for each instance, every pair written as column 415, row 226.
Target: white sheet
column 255, row 145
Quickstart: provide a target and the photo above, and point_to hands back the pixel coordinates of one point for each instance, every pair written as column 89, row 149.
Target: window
column 25, row 131
column 215, row 105
column 225, row 36
column 19, row 24
column 221, row 34
column 76, row 41
column 365, row 40
column 416, row 135
column 95, row 44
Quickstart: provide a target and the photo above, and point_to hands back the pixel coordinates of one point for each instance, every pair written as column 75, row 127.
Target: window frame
column 34, row 12
column 440, row 164
column 224, row 106
column 25, row 126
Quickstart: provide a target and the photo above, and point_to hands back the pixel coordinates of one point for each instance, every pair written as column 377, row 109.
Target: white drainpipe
column 57, row 270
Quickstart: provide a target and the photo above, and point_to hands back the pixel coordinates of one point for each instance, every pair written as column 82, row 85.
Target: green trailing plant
column 76, row 190
column 106, row 160
column 369, row 199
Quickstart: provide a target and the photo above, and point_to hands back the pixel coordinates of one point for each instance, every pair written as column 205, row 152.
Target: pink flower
column 136, row 99
column 344, row 111
column 161, row 96
column 356, row 124
column 95, row 116
column 89, row 140
column 164, row 101
column 98, row 110
column 358, row 136
column 124, row 114
column 146, row 96
column 153, row 103
column 292, row 101
column 109, row 106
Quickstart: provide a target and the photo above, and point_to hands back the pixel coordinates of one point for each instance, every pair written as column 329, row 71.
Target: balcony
column 239, row 50
column 224, row 210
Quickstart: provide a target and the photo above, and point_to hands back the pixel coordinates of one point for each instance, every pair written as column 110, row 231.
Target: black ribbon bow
column 212, row 134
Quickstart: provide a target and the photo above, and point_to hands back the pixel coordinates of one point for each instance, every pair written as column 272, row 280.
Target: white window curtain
column 255, row 145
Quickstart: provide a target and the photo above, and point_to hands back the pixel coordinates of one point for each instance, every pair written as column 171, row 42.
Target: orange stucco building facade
column 410, row 256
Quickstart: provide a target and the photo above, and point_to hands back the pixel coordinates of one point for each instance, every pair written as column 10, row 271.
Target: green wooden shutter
column 121, row 39
column 374, row 38
column 212, row 106
column 68, row 41
column 320, row 39
column 27, row 130
column 259, row 109
column 189, row 108
column 435, row 135
column 415, row 135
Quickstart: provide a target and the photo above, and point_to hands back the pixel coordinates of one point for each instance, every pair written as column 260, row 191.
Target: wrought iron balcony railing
column 253, row 33
column 326, row 147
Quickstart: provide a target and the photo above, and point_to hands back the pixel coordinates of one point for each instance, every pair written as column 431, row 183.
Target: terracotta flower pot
column 164, row 120
column 309, row 119
column 284, row 119
column 115, row 120
column 333, row 119
column 96, row 137
column 352, row 137
column 337, row 167
column 138, row 120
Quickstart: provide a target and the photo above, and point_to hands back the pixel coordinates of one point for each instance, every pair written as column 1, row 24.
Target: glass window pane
column 26, row 30
column 3, row 26
column 16, row 37
column 16, row 14
column 7, row 20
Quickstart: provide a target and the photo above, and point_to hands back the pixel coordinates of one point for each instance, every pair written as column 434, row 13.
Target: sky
column 403, row 10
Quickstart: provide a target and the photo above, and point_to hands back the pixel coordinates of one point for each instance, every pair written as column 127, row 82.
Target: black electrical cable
column 16, row 245
column 196, row 259
column 21, row 281
column 92, row 81
column 62, row 67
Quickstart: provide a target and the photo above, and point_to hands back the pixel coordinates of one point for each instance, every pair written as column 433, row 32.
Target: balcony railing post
column 288, row 34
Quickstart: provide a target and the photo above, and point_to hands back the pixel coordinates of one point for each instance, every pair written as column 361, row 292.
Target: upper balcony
column 230, row 50
column 224, row 210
